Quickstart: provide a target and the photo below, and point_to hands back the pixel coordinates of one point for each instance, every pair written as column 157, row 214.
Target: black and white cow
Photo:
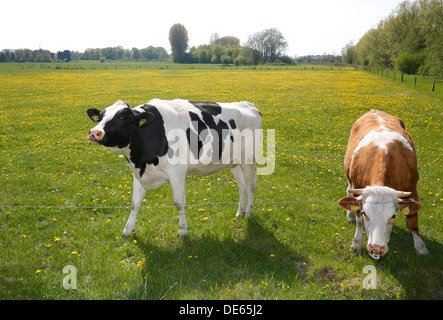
column 167, row 140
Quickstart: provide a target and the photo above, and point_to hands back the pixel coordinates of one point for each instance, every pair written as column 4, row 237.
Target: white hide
column 379, row 207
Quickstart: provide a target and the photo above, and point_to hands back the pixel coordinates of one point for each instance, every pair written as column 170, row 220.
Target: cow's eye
column 393, row 217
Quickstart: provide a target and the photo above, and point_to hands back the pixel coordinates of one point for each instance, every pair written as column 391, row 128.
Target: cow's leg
column 412, row 224
column 138, row 194
column 178, row 184
column 350, row 215
column 238, row 175
column 358, row 236
column 250, row 182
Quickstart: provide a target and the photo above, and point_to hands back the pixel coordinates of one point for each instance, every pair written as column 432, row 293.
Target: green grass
column 65, row 202
column 420, row 83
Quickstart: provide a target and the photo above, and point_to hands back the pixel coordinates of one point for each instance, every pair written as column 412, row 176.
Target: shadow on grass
column 420, row 276
column 208, row 267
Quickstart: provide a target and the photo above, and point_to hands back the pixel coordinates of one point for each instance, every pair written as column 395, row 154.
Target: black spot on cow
column 200, row 128
column 148, row 142
column 193, row 134
column 212, row 108
column 233, row 126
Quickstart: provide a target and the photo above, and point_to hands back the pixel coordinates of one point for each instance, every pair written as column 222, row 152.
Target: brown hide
column 371, row 165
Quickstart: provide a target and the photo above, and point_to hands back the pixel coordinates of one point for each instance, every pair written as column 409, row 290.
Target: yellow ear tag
column 405, row 210
column 95, row 118
column 142, row 121
column 354, row 207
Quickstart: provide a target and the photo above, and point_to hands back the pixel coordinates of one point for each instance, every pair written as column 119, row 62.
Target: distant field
column 64, row 202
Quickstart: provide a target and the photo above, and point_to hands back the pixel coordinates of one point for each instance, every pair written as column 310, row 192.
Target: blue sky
column 310, row 27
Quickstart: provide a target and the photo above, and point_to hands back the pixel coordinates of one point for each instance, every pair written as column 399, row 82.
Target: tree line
column 266, row 46
column 410, row 40
column 101, row 54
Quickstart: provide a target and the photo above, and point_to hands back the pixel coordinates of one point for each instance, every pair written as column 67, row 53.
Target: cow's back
column 244, row 113
column 381, row 152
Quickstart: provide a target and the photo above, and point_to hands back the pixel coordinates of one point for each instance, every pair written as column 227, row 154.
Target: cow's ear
column 144, row 118
column 94, row 114
column 350, row 203
column 408, row 206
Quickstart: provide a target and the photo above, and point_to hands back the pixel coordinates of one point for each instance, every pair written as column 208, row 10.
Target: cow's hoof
column 239, row 214
column 248, row 215
column 182, row 234
column 126, row 236
column 355, row 249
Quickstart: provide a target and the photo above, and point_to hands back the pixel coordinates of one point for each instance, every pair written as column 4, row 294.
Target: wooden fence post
column 433, row 85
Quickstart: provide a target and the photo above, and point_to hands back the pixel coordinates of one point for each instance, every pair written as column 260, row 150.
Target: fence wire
column 186, row 206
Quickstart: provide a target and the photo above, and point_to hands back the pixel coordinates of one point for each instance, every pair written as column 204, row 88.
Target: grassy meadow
column 64, row 202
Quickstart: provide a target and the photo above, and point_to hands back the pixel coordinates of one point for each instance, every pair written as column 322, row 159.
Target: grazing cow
column 166, row 140
column 381, row 170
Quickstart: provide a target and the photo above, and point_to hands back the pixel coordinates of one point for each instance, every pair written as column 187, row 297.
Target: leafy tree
column 409, row 63
column 349, row 54
column 216, row 52
column 225, row 59
column 270, row 43
column 178, row 38
column 64, row 55
column 240, row 60
column 135, row 53
column 412, row 33
column 42, row 56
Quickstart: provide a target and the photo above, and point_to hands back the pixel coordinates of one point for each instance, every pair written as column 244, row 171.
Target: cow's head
column 379, row 207
column 116, row 125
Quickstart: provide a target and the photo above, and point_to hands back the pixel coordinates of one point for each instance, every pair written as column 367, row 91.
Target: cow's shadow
column 215, row 267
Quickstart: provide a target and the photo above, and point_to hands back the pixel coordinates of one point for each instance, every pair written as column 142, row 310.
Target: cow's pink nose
column 377, row 250
column 95, row 135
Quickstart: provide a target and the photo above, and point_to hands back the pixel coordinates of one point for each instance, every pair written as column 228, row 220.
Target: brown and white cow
column 381, row 170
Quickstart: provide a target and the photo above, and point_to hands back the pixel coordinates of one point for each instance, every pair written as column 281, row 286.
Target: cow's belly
column 207, row 169
column 152, row 178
